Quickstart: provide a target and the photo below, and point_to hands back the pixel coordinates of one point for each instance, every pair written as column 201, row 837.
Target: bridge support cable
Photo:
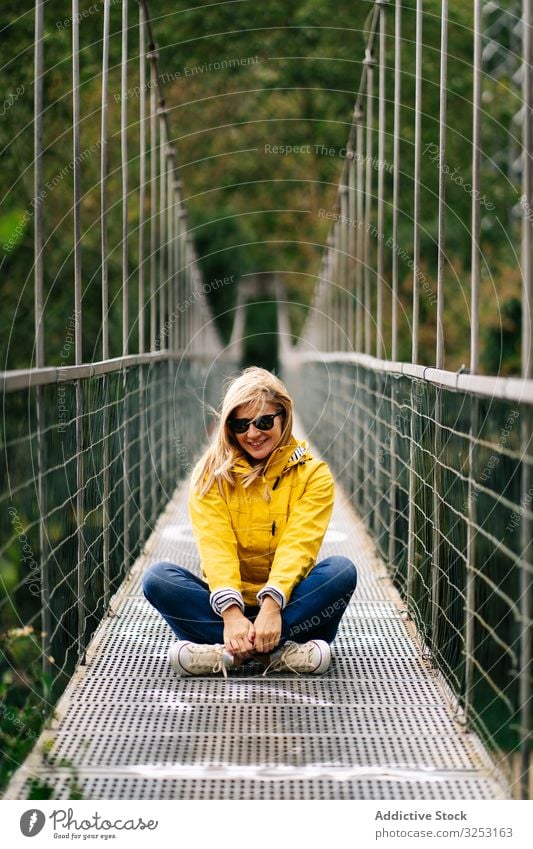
column 437, row 570
column 343, row 295
column 441, row 242
column 411, row 545
column 526, row 592
column 474, row 363
column 125, row 281
column 417, row 178
column 359, row 268
column 44, row 572
column 78, row 331
column 367, row 259
column 380, row 248
column 351, row 259
column 106, row 495
column 141, row 282
column 394, row 266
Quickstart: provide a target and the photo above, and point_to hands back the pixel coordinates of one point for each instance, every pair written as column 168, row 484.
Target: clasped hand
column 243, row 638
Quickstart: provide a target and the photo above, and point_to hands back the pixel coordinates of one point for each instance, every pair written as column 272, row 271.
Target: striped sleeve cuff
column 274, row 593
column 221, row 599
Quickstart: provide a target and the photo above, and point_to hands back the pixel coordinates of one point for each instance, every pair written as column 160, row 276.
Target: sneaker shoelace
column 209, row 660
column 293, row 654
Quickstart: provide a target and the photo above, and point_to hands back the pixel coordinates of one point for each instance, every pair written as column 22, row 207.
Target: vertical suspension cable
column 153, row 199
column 360, row 247
column 476, row 157
column 183, row 279
column 169, row 435
column 170, row 246
column 381, row 176
column 76, row 171
column 313, row 337
column 336, row 291
column 436, row 544
column 351, row 251
column 124, row 175
column 329, row 292
column 322, row 325
column 369, row 61
column 162, row 223
column 125, row 278
column 176, row 338
column 336, row 287
column 342, row 285
column 526, row 530
column 103, row 184
column 192, row 282
column 105, row 301
column 324, row 297
column 470, row 599
column 142, row 173
column 80, row 569
column 396, row 174
column 395, row 286
column 417, row 173
column 330, row 268
column 38, row 182
column 416, row 302
column 163, row 275
column 347, row 297
column 39, row 335
column 152, row 56
column 380, row 208
column 439, row 359
column 141, row 270
column 527, row 240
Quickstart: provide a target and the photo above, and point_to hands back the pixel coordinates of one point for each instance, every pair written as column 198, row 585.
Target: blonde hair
column 254, row 386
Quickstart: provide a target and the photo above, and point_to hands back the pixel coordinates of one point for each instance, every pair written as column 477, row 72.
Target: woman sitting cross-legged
column 259, row 505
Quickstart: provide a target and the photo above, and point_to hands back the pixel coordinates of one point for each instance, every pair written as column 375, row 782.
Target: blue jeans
column 313, row 612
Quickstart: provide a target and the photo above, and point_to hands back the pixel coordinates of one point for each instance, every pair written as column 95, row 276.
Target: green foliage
column 241, row 82
column 23, row 702
column 260, row 345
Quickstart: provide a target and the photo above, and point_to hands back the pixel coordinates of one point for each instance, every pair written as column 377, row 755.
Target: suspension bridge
column 429, row 693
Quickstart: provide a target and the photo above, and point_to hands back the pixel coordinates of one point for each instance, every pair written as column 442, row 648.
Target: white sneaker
column 313, row 657
column 188, row 658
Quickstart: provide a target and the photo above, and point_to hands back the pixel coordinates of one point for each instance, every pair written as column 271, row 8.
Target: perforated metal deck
column 376, row 726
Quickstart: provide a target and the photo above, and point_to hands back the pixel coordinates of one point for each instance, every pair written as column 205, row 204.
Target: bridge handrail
column 507, row 388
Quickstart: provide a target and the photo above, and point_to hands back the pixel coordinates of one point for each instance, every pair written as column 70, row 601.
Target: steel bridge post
column 42, row 495
column 416, row 298
column 470, row 589
column 105, row 303
column 143, row 523
column 526, row 528
column 395, row 283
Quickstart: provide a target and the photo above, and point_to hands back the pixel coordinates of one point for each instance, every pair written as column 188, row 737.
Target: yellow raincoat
column 246, row 541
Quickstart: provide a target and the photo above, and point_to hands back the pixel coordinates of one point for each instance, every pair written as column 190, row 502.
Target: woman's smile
column 259, row 446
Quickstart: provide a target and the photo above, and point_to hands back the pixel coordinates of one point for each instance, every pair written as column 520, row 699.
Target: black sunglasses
column 265, row 422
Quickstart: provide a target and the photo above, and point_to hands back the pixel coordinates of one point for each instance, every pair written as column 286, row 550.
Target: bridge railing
column 93, row 449
column 438, row 462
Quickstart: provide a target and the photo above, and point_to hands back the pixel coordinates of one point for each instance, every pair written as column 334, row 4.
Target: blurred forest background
column 282, row 74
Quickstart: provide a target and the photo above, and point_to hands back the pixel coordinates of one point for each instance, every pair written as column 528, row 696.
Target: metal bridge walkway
column 376, row 726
